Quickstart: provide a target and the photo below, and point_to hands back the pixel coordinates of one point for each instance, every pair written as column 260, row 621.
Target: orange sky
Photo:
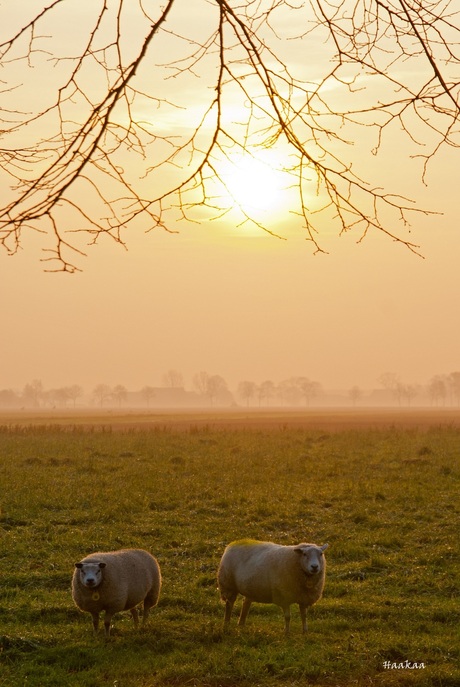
column 255, row 308
column 243, row 306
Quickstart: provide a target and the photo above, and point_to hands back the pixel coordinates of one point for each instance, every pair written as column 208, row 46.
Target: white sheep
column 272, row 573
column 116, row 581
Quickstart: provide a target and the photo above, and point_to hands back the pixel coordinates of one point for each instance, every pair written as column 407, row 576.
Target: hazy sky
column 245, row 306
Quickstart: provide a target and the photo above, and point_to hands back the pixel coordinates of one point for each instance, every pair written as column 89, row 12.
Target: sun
column 254, row 184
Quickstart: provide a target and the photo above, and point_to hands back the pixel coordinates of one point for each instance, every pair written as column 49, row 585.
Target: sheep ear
column 102, row 565
column 79, row 565
column 324, row 547
column 299, row 550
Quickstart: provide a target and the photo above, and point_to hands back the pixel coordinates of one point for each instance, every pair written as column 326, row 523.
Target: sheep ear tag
column 95, row 596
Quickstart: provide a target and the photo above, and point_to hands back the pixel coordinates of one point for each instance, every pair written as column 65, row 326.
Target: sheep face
column 311, row 558
column 90, row 574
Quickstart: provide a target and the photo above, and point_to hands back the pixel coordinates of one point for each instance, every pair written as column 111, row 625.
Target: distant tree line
column 289, row 392
column 441, row 390
column 34, row 395
column 212, row 389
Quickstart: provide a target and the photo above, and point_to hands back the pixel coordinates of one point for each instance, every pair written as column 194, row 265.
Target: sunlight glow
column 255, row 184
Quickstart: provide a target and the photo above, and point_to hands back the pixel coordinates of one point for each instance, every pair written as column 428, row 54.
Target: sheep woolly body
column 272, row 573
column 116, row 581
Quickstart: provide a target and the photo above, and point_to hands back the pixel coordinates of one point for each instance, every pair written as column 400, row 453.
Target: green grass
column 387, row 501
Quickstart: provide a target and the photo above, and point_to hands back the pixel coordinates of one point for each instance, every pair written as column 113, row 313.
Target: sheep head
column 90, row 574
column 311, row 558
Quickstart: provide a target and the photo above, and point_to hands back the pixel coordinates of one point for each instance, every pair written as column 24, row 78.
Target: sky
column 244, row 304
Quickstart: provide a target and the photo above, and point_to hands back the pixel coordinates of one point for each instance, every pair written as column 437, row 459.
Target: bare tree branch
column 129, row 121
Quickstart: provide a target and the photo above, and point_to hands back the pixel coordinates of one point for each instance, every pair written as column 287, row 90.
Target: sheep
column 116, row 581
column 272, row 573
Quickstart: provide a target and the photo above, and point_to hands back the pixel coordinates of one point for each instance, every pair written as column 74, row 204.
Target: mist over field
column 212, row 391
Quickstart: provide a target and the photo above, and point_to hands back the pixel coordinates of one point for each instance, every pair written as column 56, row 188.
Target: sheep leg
column 244, row 611
column 135, row 616
column 107, row 621
column 303, row 615
column 229, row 603
column 149, row 602
column 287, row 619
column 95, row 622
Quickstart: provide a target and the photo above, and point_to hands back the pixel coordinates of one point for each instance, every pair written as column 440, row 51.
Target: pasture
column 385, row 498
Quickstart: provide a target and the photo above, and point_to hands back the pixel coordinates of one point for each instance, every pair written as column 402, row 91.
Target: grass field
column 386, row 499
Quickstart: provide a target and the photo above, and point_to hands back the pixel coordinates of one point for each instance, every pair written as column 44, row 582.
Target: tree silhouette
column 173, row 379
column 437, row 390
column 32, row 393
column 94, row 141
column 309, row 389
column 247, row 390
column 211, row 386
column 266, row 391
column 74, row 391
column 119, row 394
column 102, row 393
column 454, row 383
column 147, row 393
